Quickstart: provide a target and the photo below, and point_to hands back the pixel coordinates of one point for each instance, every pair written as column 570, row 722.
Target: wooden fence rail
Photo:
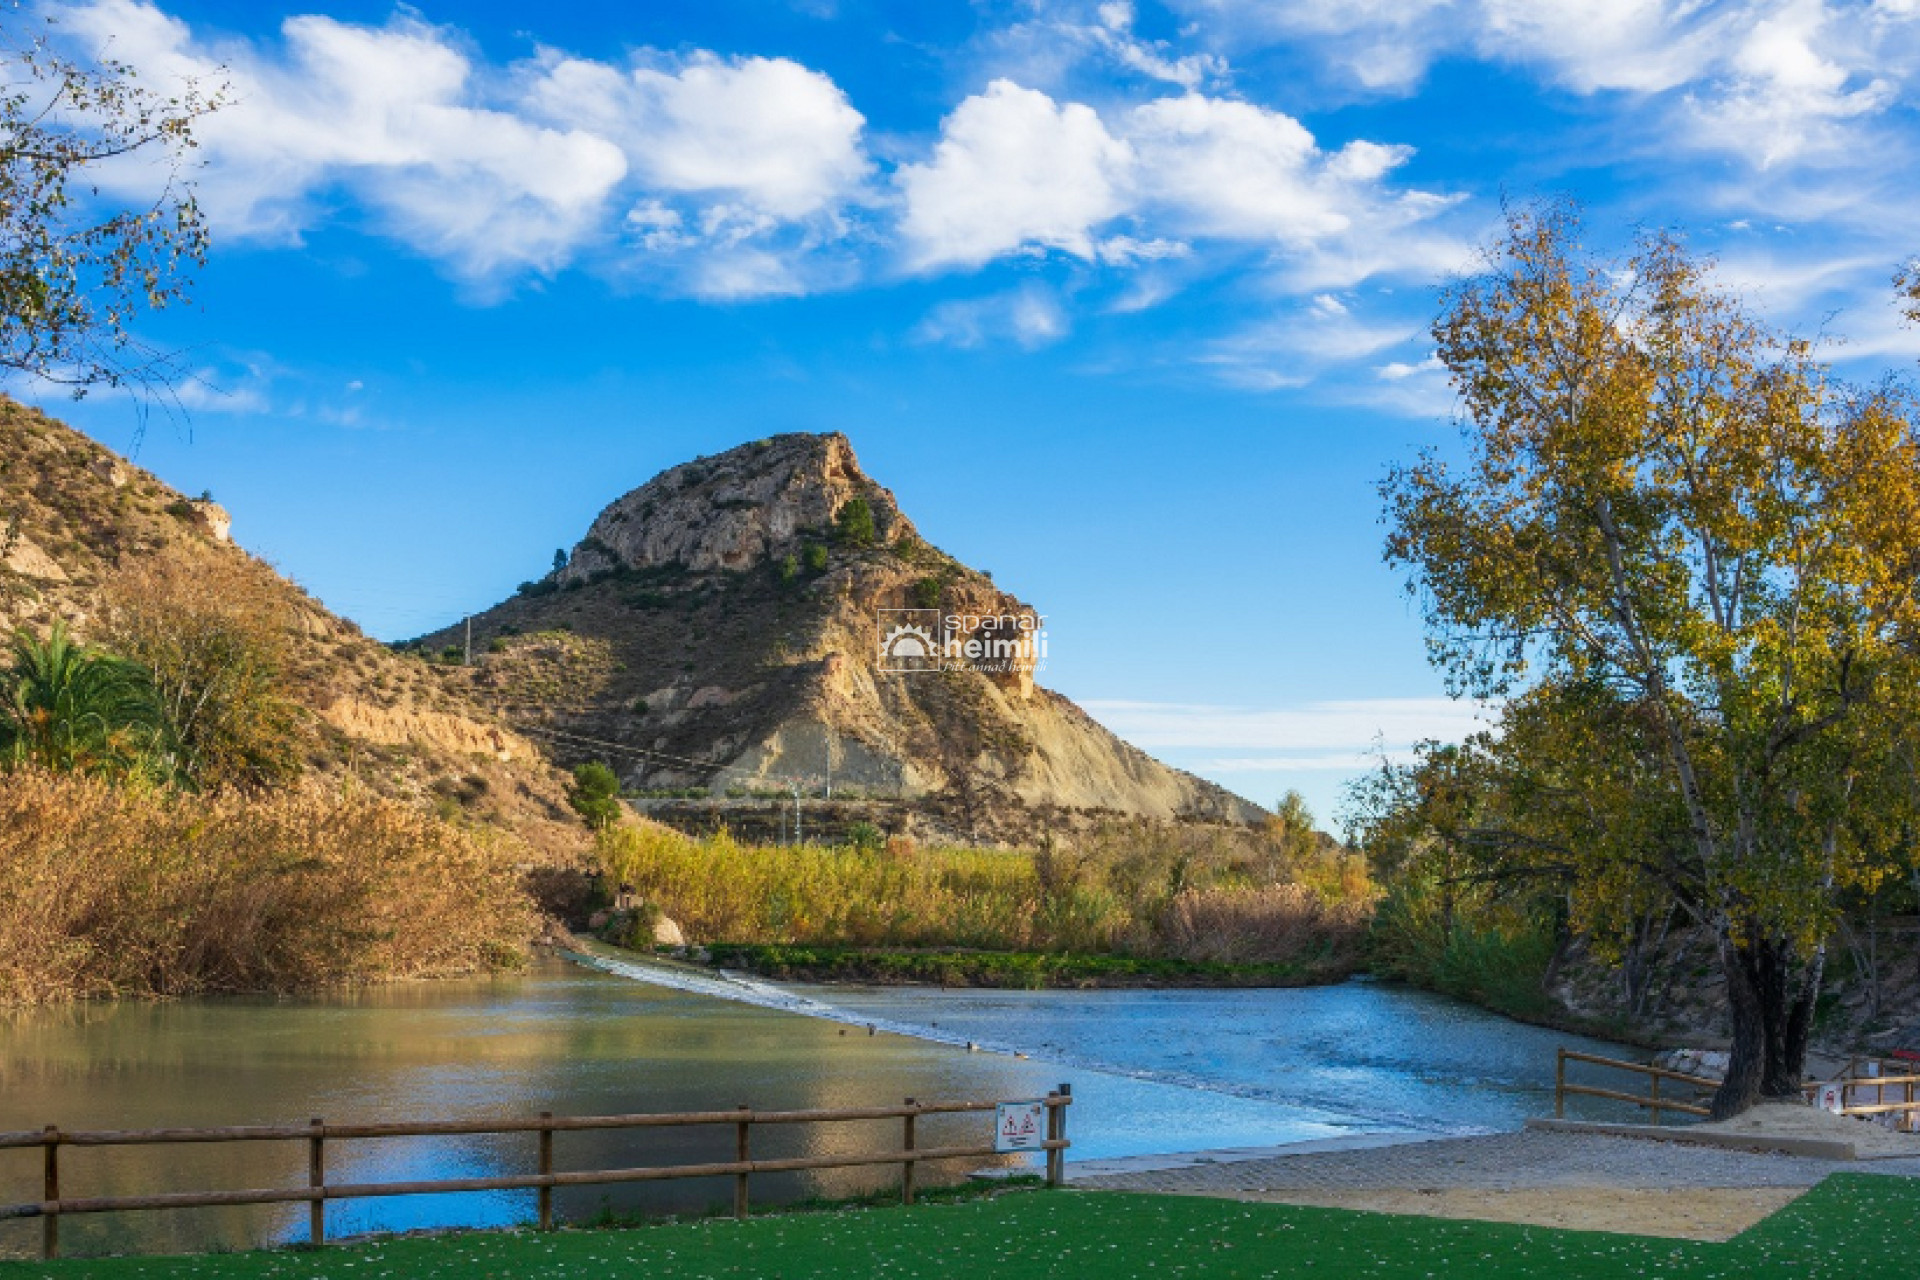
column 1652, row 1100
column 1909, row 1107
column 317, row 1134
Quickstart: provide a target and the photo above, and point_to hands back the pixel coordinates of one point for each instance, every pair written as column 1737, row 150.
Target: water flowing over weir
column 1356, row 1057
column 746, row 989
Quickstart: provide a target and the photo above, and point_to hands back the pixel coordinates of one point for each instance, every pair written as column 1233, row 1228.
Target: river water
column 1152, row 1071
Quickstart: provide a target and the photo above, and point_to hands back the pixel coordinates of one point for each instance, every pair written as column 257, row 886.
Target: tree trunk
column 1770, row 997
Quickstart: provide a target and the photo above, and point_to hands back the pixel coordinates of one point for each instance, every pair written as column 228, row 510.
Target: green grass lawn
column 1853, row 1227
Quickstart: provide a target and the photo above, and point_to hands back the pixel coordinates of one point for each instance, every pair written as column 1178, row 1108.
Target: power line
column 643, row 753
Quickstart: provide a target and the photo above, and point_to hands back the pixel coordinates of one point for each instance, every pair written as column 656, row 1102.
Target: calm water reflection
column 1272, row 1066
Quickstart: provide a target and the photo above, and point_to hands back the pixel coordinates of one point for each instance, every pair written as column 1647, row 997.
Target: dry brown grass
column 1275, row 924
column 118, row 892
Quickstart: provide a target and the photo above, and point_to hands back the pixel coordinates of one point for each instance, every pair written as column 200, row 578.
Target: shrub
column 854, row 523
column 816, row 557
column 865, row 836
column 925, row 594
column 1274, row 924
column 1491, row 953
column 789, row 569
column 72, row 708
column 215, row 634
column 118, row 891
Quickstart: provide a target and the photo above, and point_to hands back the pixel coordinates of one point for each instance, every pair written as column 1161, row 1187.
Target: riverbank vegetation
column 1201, row 901
column 156, row 838
column 143, row 890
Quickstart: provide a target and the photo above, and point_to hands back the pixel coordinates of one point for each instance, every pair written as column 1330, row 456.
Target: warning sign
column 1019, row 1126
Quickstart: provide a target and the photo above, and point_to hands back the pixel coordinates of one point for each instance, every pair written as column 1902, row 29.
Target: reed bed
column 1151, row 896
column 118, row 891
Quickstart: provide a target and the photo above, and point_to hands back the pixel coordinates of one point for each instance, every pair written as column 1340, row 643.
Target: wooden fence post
column 906, row 1170
column 317, row 1180
column 1560, row 1085
column 546, row 1167
column 50, row 1224
column 1057, row 1132
column 1656, row 1097
column 740, row 1204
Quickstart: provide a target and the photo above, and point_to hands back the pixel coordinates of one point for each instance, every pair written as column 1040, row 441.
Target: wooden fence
column 317, row 1135
column 1653, row 1100
column 1703, row 1087
column 1906, row 1111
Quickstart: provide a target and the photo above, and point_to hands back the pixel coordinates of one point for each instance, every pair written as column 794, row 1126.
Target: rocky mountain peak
column 762, row 500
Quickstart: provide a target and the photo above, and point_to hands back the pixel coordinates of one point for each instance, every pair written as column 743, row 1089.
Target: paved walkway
column 1554, row 1179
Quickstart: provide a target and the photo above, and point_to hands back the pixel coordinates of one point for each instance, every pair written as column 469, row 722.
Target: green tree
column 77, row 270
column 854, row 523
column 595, row 794
column 1700, row 551
column 74, row 709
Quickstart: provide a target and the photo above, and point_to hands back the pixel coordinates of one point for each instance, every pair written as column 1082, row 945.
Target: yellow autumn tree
column 1693, row 553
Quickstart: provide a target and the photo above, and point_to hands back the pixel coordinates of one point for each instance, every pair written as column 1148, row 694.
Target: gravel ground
column 1525, row 1161
column 1575, row 1181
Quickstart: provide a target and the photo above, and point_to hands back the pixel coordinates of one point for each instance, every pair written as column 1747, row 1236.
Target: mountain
column 78, row 522
column 758, row 622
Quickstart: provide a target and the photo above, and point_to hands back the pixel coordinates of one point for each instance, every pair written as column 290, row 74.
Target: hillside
column 721, row 628
column 77, row 522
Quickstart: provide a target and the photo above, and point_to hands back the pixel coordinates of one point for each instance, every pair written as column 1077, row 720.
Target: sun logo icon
column 906, row 645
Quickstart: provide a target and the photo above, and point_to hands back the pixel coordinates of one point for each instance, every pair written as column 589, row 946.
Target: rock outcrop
column 769, row 620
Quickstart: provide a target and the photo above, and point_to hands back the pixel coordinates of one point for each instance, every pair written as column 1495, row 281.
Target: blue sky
column 1127, row 302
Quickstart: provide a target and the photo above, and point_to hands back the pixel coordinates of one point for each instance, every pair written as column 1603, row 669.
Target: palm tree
column 73, row 708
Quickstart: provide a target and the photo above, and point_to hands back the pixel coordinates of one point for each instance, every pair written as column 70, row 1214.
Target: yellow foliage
column 1114, row 892
column 110, row 891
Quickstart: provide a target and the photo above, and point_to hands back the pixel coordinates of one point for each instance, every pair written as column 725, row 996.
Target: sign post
column 1019, row 1126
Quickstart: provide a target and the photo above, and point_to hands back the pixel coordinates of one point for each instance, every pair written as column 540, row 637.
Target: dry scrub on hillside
column 135, row 891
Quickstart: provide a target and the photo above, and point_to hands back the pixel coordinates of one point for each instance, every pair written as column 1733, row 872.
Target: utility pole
column 469, row 659
column 798, row 838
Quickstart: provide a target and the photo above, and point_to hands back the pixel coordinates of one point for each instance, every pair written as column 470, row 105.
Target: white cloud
column 739, row 167
column 765, row 134
column 1016, row 172
column 1301, row 343
column 1354, row 726
column 1645, row 46
column 1769, row 80
column 1030, row 317
column 1380, row 44
column 388, row 112
column 1400, row 370
column 1114, row 34
column 1788, row 93
column 1013, row 170
column 1233, row 170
